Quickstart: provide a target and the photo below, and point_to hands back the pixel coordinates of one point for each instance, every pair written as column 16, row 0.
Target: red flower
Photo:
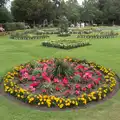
column 56, row 80
column 44, row 91
column 89, row 86
column 84, row 89
column 32, row 89
column 57, row 88
column 23, row 70
column 35, row 84
column 87, row 75
column 80, row 67
column 44, row 75
column 45, row 67
column 99, row 73
column 67, row 92
column 96, row 82
column 99, row 79
column 77, row 92
column 33, row 78
column 77, row 86
column 65, row 80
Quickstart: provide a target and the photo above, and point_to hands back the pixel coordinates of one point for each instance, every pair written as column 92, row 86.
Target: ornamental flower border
column 96, row 36
column 65, row 45
column 29, row 38
column 15, row 90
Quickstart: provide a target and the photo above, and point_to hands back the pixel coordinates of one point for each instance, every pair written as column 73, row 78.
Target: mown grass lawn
column 105, row 52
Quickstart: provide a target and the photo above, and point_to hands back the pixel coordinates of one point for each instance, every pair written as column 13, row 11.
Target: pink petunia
column 56, row 80
column 98, row 73
column 57, row 88
column 77, row 92
column 84, row 89
column 35, row 84
column 87, row 75
column 44, row 75
column 44, row 91
column 77, row 86
column 65, row 80
column 32, row 89
column 96, row 82
column 33, row 78
column 89, row 86
column 80, row 67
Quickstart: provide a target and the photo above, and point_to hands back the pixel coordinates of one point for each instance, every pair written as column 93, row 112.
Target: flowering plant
column 44, row 88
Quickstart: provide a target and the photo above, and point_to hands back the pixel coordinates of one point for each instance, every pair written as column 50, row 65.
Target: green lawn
column 105, row 52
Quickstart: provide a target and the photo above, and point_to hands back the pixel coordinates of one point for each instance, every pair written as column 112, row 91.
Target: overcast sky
column 9, row 3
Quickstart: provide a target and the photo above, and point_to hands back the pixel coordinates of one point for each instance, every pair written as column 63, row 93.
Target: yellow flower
column 38, row 103
column 61, row 106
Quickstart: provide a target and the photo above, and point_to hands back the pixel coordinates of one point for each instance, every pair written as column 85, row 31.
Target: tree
column 5, row 15
column 63, row 22
column 3, row 2
column 73, row 11
column 34, row 10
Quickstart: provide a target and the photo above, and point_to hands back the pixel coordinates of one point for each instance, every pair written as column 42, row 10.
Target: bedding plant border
column 15, row 90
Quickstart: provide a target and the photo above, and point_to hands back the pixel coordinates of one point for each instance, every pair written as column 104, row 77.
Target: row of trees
column 92, row 11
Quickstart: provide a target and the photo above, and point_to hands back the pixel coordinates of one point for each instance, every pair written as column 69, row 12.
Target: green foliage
column 76, row 78
column 28, row 35
column 62, row 68
column 3, row 2
column 14, row 26
column 36, row 72
column 65, row 44
column 5, row 15
column 63, row 24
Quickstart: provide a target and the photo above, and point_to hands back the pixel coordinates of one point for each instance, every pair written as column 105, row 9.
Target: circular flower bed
column 62, row 83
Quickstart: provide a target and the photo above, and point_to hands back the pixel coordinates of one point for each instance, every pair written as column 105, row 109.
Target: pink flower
column 23, row 70
column 77, row 86
column 77, row 92
column 89, row 86
column 99, row 73
column 67, row 92
column 85, row 68
column 65, row 80
column 35, row 84
column 87, row 75
column 84, row 89
column 57, row 88
column 45, row 67
column 32, row 89
column 26, row 75
column 99, row 79
column 96, row 82
column 56, row 80
column 44, row 91
column 44, row 75
column 80, row 67
column 33, row 78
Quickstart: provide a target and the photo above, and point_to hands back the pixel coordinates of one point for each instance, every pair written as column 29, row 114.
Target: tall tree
column 5, row 15
column 34, row 10
column 3, row 2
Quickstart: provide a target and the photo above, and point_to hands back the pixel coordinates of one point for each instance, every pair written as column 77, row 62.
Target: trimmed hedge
column 65, row 44
column 14, row 26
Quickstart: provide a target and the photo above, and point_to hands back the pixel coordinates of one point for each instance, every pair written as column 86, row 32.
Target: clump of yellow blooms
column 44, row 100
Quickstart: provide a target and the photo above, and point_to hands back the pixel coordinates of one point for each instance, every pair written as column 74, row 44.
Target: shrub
column 14, row 26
